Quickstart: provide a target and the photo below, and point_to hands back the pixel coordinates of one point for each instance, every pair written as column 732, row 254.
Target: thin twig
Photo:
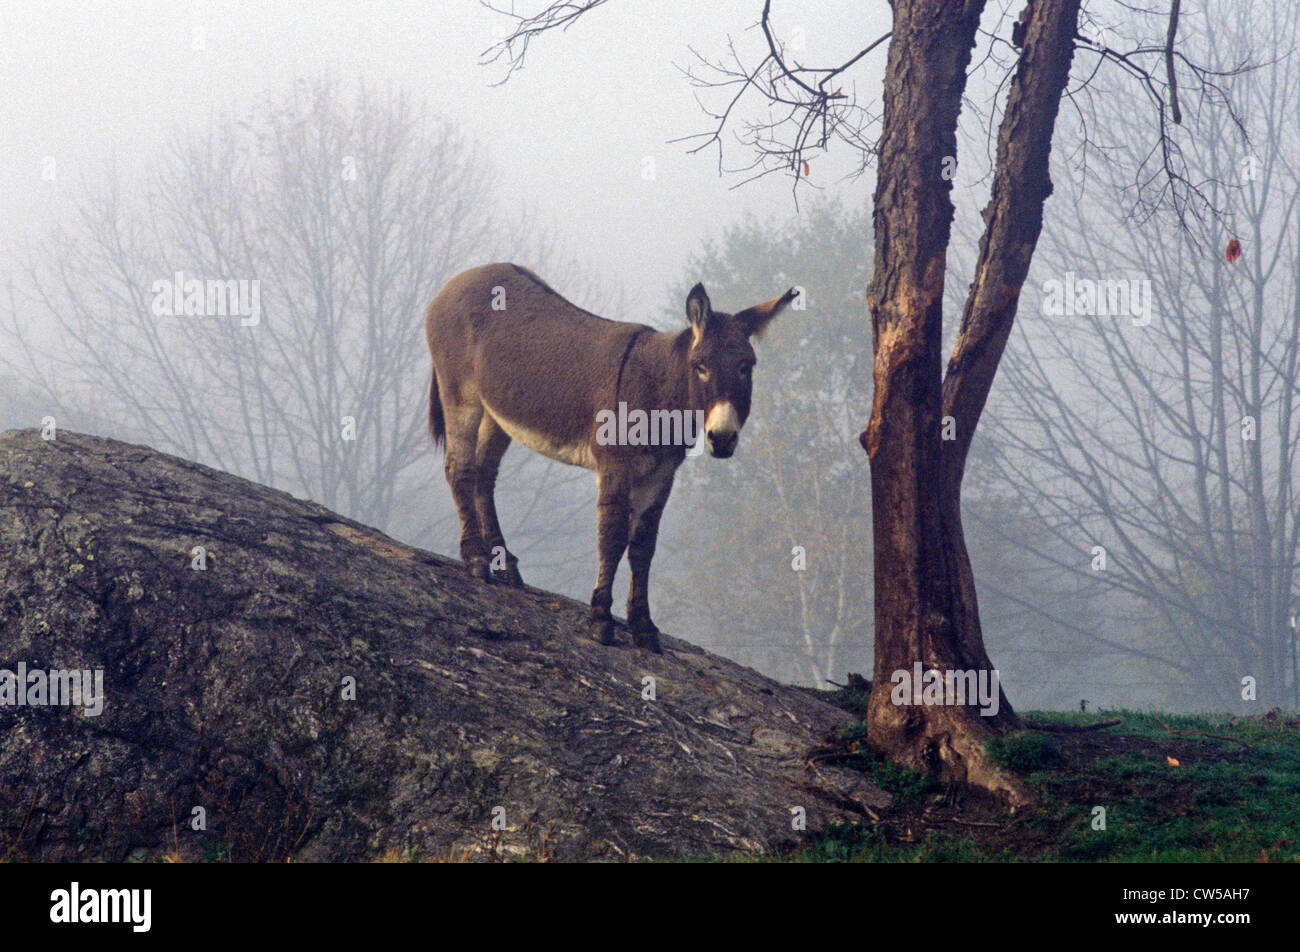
column 1070, row 728
column 1234, row 740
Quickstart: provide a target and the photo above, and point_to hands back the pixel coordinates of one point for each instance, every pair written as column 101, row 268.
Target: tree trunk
column 926, row 608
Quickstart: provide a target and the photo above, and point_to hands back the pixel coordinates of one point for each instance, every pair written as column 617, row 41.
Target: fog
column 1133, row 545
column 567, row 135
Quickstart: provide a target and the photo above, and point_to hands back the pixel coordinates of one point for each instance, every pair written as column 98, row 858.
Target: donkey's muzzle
column 722, row 443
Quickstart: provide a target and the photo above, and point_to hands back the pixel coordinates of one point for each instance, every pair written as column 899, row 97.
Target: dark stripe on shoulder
column 534, row 278
column 627, row 352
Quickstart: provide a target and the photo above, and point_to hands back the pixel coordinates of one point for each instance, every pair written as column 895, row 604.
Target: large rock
column 225, row 688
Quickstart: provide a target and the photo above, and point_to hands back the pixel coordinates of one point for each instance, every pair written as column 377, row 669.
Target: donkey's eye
column 744, row 369
column 702, row 371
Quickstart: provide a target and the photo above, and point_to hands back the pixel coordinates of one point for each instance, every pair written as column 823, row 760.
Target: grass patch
column 905, row 786
column 1155, row 788
column 1025, row 751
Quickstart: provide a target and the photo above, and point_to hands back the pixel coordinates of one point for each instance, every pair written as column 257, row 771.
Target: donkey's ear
column 698, row 310
column 755, row 319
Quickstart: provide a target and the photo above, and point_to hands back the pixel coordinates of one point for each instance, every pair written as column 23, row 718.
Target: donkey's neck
column 656, row 371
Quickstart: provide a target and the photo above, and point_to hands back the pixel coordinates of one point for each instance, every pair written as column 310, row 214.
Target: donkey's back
column 506, row 313
column 503, row 339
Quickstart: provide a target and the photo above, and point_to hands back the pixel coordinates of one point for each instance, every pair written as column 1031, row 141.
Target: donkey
column 513, row 360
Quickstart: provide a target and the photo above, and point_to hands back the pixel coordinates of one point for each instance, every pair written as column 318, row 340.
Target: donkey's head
column 719, row 364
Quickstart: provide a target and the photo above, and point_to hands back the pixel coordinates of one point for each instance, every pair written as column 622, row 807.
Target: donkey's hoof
column 508, row 576
column 602, row 630
column 648, row 638
column 479, row 569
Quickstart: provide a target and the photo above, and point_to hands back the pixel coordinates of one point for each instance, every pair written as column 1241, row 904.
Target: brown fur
column 543, row 369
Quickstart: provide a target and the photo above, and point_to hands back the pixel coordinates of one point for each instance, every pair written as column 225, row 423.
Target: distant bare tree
column 345, row 211
column 1173, row 445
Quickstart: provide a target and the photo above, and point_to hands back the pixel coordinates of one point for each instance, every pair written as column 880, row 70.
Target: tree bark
column 926, row 607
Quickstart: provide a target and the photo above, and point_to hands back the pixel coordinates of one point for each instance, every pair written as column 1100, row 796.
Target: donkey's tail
column 437, row 424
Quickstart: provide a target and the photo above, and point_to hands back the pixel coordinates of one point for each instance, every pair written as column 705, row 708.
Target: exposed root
column 1234, row 740
column 947, row 743
column 1071, row 728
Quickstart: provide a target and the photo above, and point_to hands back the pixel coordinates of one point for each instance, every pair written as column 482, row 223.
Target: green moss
column 1025, row 751
column 905, row 786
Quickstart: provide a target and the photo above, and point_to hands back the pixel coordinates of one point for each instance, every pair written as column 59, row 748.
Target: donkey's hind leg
column 462, row 476
column 492, row 445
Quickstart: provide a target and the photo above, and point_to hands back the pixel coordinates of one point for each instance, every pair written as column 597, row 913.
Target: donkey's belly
column 573, row 453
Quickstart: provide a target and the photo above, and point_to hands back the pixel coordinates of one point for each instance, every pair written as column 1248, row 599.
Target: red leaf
column 806, row 170
column 1233, row 251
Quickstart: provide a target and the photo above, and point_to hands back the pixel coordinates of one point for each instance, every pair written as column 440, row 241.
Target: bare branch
column 514, row 47
column 1169, row 63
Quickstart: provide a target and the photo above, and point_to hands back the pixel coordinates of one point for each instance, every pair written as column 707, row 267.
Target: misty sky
column 92, row 82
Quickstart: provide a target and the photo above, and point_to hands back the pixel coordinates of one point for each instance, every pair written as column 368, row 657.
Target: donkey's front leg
column 647, row 505
column 612, row 527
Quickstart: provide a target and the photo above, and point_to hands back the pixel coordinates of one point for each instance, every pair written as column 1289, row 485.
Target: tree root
column 1071, row 728
column 1190, row 733
column 948, row 744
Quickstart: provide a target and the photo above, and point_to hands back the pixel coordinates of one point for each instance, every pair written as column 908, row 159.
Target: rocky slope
column 323, row 692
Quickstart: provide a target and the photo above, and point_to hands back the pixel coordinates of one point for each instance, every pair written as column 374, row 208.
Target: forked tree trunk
column 926, row 609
